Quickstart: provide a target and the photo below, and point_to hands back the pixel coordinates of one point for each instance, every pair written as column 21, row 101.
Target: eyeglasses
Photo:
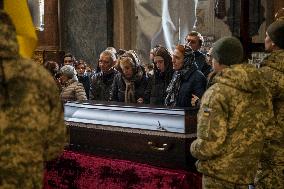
column 190, row 41
column 103, row 62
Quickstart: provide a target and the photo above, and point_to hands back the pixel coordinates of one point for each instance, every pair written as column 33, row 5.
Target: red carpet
column 74, row 170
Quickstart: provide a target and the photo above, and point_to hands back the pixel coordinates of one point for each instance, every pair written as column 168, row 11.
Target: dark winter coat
column 160, row 81
column 85, row 80
column 200, row 60
column 159, row 84
column 142, row 88
column 101, row 85
column 191, row 81
column 185, row 83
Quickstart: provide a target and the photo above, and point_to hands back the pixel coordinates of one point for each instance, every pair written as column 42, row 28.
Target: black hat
column 276, row 33
column 228, row 51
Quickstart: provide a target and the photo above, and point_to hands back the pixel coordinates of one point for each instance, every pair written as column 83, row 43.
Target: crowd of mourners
column 240, row 123
column 171, row 79
column 241, row 110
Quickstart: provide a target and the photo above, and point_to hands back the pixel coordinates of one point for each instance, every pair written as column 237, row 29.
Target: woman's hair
column 123, row 61
column 80, row 62
column 120, row 52
column 181, row 48
column 134, row 56
column 69, row 55
column 68, row 71
column 166, row 55
column 52, row 67
column 153, row 50
column 187, row 53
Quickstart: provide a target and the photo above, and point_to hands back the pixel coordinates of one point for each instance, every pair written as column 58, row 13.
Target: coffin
column 146, row 134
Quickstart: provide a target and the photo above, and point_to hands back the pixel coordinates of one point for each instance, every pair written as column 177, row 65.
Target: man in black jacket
column 195, row 40
column 101, row 82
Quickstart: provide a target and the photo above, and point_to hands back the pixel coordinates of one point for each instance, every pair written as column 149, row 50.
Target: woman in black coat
column 163, row 71
column 131, row 84
column 187, row 80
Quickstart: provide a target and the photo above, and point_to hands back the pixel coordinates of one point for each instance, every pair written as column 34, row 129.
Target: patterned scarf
column 173, row 89
column 129, row 96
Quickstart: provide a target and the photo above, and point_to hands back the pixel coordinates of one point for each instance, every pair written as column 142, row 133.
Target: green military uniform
column 271, row 173
column 231, row 128
column 32, row 126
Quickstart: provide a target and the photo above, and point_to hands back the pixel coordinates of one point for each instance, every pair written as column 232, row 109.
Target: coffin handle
column 164, row 147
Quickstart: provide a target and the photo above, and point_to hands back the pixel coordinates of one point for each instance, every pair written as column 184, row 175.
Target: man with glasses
column 101, row 82
column 195, row 40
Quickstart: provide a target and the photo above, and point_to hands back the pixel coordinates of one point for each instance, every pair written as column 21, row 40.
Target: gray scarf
column 129, row 96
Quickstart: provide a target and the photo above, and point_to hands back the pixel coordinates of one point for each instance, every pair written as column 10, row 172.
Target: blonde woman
column 131, row 85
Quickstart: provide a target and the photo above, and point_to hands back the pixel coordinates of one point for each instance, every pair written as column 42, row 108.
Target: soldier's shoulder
column 35, row 74
column 34, row 70
column 217, row 90
column 274, row 60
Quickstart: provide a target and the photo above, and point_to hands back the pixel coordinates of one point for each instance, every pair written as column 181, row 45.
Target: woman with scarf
column 187, row 80
column 163, row 71
column 131, row 84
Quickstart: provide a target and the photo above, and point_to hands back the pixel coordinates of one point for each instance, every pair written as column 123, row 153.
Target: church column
column 124, row 24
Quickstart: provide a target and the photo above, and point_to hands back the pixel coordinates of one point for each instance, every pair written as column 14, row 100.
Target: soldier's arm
column 212, row 126
column 55, row 136
column 271, row 81
column 270, row 78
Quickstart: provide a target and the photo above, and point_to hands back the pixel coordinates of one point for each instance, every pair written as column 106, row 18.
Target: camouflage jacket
column 231, row 125
column 273, row 74
column 32, row 126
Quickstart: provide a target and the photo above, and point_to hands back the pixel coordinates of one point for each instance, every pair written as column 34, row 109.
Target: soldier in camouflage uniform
column 271, row 172
column 231, row 121
column 32, row 127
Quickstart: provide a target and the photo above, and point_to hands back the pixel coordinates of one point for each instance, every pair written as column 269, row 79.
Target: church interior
column 137, row 24
column 140, row 116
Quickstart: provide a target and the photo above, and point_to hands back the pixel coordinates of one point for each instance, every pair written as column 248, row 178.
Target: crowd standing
column 240, row 120
column 241, row 112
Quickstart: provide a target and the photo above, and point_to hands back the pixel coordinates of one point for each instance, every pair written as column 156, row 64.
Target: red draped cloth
column 73, row 170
